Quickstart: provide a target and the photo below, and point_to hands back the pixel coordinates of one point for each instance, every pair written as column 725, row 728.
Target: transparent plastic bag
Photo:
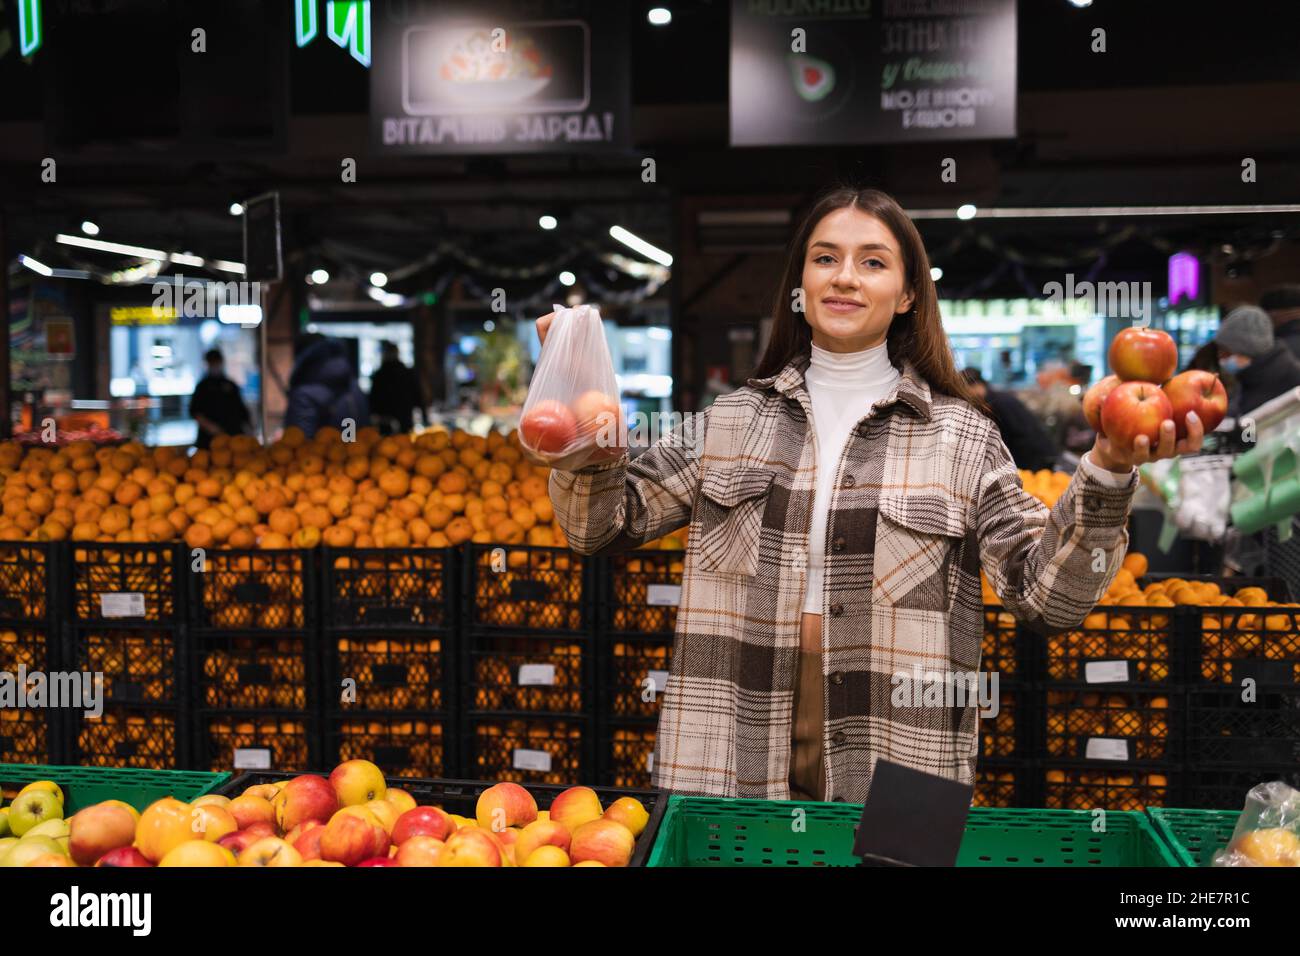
column 572, row 415
column 1268, row 832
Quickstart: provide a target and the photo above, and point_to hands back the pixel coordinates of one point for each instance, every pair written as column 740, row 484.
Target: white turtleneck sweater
column 843, row 387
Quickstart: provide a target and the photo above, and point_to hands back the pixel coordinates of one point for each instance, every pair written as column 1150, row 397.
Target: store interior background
column 1165, row 121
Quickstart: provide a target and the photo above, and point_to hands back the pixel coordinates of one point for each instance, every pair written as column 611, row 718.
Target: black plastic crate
column 1003, row 648
column 524, row 588
column 402, row 745
column 252, row 590
column 130, row 736
column 1225, row 730
column 1003, row 783
column 626, row 753
column 394, row 671
column 1116, row 645
column 230, row 740
column 528, row 750
column 29, row 581
column 254, row 672
column 141, row 666
column 640, row 591
column 1072, row 785
column 527, row 673
column 1226, row 788
column 125, row 583
column 1237, row 643
column 1108, row 724
column 1007, row 734
column 30, row 734
column 379, row 589
column 634, row 674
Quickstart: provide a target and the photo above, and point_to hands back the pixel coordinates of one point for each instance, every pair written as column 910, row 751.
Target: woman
column 841, row 506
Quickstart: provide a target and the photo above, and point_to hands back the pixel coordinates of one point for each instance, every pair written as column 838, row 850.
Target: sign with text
column 872, row 71
column 498, row 76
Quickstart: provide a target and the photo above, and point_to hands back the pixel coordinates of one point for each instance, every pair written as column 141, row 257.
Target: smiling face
column 854, row 281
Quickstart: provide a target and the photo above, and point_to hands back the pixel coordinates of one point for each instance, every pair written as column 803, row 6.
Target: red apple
column 379, row 861
column 1200, row 392
column 423, row 821
column 352, row 835
column 1133, row 409
column 419, row 851
column 505, row 805
column 123, row 856
column 304, row 798
column 307, row 842
column 548, row 427
column 241, row 840
column 96, row 830
column 1093, row 399
column 600, row 418
column 1143, row 355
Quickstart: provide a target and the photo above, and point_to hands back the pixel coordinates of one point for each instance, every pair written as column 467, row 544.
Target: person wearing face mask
column 1262, row 367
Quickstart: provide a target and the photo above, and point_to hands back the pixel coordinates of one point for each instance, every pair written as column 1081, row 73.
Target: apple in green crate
column 25, row 851
column 97, row 829
column 357, row 782
column 123, row 856
column 32, row 808
column 56, row 830
column 49, row 785
column 4, row 822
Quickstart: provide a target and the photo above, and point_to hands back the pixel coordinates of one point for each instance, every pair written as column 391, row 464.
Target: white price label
column 532, row 675
column 650, row 762
column 1106, row 748
column 129, row 604
column 1105, row 672
column 532, row 760
column 252, row 758
column 664, row 595
column 660, row 680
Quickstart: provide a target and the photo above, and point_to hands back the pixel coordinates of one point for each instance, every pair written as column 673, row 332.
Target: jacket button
column 837, row 610
column 1091, row 503
column 837, row 677
column 847, row 482
column 838, row 737
column 839, row 544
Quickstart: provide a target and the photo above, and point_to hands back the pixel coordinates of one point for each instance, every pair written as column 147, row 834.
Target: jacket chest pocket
column 729, row 519
column 917, row 539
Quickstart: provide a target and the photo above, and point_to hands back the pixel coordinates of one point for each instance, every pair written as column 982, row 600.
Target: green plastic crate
column 1194, row 836
column 699, row 831
column 85, row 786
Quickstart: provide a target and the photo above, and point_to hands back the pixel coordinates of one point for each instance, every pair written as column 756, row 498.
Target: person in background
column 1030, row 445
column 394, row 392
column 323, row 389
column 1282, row 303
column 216, row 403
column 1263, row 367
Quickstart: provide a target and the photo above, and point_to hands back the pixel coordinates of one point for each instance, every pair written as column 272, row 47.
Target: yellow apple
column 357, row 782
column 198, row 853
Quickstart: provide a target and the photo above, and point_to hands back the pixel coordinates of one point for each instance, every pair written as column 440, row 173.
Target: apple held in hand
column 1094, row 398
column 1133, row 409
column 1200, row 392
column 1143, row 355
column 548, row 427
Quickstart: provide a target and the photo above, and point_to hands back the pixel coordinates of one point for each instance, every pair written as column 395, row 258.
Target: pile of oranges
column 413, row 745
column 1045, row 485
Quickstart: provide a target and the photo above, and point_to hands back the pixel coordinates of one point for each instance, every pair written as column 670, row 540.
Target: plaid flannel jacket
column 925, row 496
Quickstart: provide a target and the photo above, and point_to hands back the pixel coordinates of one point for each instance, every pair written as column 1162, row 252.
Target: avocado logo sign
column 813, row 78
column 30, row 33
column 347, row 23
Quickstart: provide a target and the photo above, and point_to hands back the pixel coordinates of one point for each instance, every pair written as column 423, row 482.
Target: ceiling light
column 36, row 266
column 966, row 211
column 236, row 209
column 636, row 243
column 935, row 273
column 89, row 228
column 548, row 222
column 378, row 279
column 320, row 276
column 660, row 16
column 567, row 278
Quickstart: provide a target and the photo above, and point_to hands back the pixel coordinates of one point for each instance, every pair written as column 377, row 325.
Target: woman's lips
column 841, row 306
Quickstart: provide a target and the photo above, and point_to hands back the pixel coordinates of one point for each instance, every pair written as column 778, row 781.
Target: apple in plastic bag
column 599, row 416
column 548, row 427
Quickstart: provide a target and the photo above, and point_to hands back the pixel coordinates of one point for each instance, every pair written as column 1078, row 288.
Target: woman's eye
column 875, row 263
column 823, row 259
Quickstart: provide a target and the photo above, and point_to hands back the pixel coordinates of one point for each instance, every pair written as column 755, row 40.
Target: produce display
column 350, row 818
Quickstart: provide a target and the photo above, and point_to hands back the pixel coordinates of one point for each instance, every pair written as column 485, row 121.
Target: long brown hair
column 916, row 335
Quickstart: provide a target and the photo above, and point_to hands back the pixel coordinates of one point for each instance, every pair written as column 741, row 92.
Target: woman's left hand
column 1113, row 457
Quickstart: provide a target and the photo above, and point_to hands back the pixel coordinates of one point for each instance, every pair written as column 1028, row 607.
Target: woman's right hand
column 544, row 326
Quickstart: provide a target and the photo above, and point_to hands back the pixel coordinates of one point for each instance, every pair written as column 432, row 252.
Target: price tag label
column 127, row 604
column 650, row 763
column 252, row 758
column 664, row 595
column 1106, row 748
column 533, row 675
column 660, row 679
column 1105, row 672
column 532, row 760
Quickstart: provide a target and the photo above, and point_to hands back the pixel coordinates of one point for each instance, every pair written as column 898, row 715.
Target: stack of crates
column 527, row 665
column 254, row 642
column 388, row 634
column 30, row 643
column 1002, row 777
column 125, row 627
column 637, row 606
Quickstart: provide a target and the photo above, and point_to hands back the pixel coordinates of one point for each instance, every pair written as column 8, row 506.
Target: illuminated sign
column 1184, row 277
column 347, row 23
column 141, row 315
column 30, row 33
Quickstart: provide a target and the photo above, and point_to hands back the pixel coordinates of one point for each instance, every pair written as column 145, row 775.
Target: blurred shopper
column 323, row 389
column 394, row 393
column 1026, row 438
column 216, row 403
column 1282, row 303
column 1263, row 367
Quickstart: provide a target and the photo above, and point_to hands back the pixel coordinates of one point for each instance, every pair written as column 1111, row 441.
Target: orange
column 284, row 521
column 338, row 536
column 452, row 482
column 273, row 540
column 307, row 536
column 459, row 530
column 437, row 516
column 199, row 535
column 429, row 466
column 394, row 482
column 318, row 517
